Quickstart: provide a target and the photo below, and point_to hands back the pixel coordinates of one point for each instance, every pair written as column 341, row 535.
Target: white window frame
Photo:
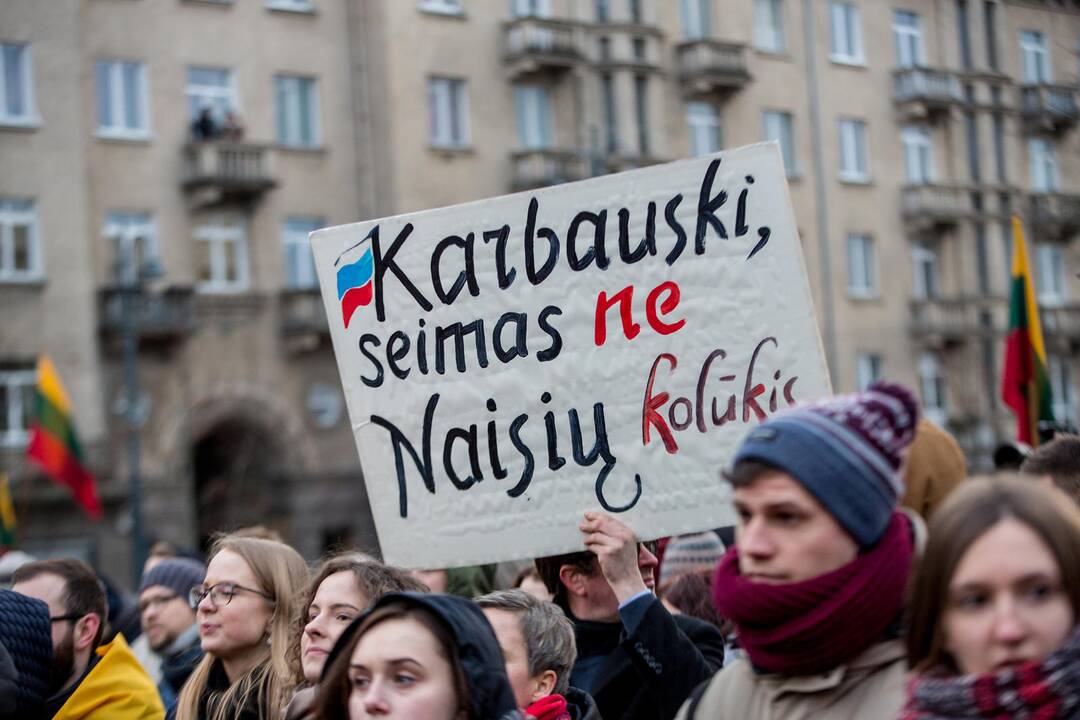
column 1043, row 165
column 862, row 266
column 704, row 127
column 289, row 111
column 16, row 382
column 19, row 211
column 1035, row 66
column 769, row 26
column 441, row 7
column 448, row 97
column 115, row 74
column 854, row 151
column 299, row 263
column 924, row 258
column 224, row 95
column 696, row 19
column 845, row 35
column 217, row 234
column 779, row 125
column 908, row 37
column 1062, row 390
column 301, row 6
column 528, row 8
column 868, row 370
column 30, row 116
column 918, row 145
column 124, row 231
column 533, row 117
column 933, row 389
column 1050, row 264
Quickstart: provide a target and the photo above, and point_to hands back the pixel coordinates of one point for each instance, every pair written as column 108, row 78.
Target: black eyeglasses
column 220, row 594
column 70, row 617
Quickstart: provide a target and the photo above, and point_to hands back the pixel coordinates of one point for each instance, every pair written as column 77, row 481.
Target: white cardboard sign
column 510, row 363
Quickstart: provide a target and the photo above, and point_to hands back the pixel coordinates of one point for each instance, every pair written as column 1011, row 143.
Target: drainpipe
column 821, row 202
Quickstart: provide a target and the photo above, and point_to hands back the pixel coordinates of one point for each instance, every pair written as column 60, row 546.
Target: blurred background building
column 181, row 150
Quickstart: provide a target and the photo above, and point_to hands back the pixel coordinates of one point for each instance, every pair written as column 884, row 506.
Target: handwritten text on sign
column 509, row 363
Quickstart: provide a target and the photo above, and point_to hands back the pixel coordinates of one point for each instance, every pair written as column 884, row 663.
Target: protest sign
column 510, row 363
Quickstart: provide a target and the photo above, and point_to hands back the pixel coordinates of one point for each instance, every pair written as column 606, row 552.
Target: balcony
column 709, row 67
column 532, row 169
column 1055, row 215
column 535, row 45
column 159, row 317
column 943, row 322
column 220, row 171
column 921, row 93
column 1061, row 326
column 926, row 208
column 304, row 325
column 1048, row 107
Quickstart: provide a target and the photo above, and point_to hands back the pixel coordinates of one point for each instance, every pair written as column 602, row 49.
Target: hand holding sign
column 627, row 567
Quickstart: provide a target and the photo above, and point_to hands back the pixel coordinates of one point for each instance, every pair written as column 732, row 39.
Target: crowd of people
column 866, row 577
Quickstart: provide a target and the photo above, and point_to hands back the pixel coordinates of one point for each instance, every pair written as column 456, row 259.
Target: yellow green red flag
column 54, row 446
column 7, row 515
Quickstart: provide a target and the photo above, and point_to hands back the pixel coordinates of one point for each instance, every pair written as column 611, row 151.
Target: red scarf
column 816, row 625
column 549, row 707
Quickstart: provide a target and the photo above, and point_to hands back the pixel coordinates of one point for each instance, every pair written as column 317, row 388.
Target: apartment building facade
column 909, row 130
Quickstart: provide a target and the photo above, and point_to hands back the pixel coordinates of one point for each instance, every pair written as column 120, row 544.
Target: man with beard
column 95, row 682
column 168, row 622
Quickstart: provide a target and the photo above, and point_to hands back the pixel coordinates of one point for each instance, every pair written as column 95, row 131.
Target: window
column 998, row 121
column 16, row 86
column 962, row 35
column 924, row 260
column 854, row 161
column 637, row 46
column 990, row 20
column 291, row 5
column 1044, row 167
column 20, row 247
column 16, row 406
column 132, row 241
column 210, row 88
column 603, row 11
column 907, row 33
column 1051, row 266
column 1034, row 57
column 778, row 127
column 932, row 388
column 846, row 37
column 696, row 20
column 918, row 155
column 641, row 109
column 704, row 123
column 122, row 99
column 611, row 128
column 982, row 259
column 635, row 11
column 1062, row 391
column 530, row 8
column 867, row 370
column 971, row 132
column 297, row 111
column 532, row 109
column 221, row 255
column 769, row 26
column 299, row 262
column 862, row 266
column 447, row 112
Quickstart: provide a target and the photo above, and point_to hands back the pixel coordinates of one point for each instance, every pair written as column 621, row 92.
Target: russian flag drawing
column 356, row 284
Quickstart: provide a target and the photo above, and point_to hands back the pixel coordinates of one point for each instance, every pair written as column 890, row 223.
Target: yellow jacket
column 116, row 688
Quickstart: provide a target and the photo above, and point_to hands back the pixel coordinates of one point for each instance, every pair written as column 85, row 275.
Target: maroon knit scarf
column 813, row 626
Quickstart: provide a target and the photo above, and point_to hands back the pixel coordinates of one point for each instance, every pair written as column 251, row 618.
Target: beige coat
column 869, row 687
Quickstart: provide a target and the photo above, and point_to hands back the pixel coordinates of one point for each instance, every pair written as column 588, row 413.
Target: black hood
column 26, row 635
column 581, row 705
column 481, row 659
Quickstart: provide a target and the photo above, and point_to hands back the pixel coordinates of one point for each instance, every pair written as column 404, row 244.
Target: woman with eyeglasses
column 244, row 609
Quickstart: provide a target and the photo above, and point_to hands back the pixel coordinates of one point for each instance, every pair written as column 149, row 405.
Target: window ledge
column 863, row 297
column 30, row 122
column 861, row 180
column 441, row 10
column 794, row 175
column 140, row 138
column 450, row 150
column 33, row 282
column 773, row 54
column 292, row 9
column 303, row 149
column 848, row 61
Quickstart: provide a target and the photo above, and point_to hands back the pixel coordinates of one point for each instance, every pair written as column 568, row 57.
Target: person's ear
column 544, row 684
column 572, row 579
column 85, row 630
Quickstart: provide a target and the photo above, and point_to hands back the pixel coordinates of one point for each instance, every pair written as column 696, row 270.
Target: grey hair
column 548, row 633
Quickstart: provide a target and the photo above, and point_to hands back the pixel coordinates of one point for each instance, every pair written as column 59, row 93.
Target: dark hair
column 1058, row 459
column 84, row 593
column 332, row 701
column 746, row 472
column 967, row 513
column 548, row 568
column 691, row 594
column 529, row 571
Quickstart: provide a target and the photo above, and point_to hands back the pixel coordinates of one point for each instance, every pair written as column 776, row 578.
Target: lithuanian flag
column 53, row 443
column 7, row 516
column 1025, row 386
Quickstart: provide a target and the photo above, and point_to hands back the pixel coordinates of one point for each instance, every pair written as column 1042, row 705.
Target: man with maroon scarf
column 815, row 582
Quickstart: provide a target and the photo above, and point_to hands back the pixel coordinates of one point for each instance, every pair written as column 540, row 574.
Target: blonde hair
column 281, row 573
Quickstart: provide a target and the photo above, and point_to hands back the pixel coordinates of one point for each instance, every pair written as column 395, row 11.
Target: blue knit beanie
column 846, row 451
column 26, row 633
column 179, row 574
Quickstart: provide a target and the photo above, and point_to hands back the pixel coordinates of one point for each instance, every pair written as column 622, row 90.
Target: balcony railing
column 540, row 168
column 922, row 91
column 533, row 45
column 303, row 313
column 161, row 316
column 218, row 170
column 1055, row 214
column 1049, row 107
column 1062, row 321
column 710, row 66
column 926, row 206
column 951, row 320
